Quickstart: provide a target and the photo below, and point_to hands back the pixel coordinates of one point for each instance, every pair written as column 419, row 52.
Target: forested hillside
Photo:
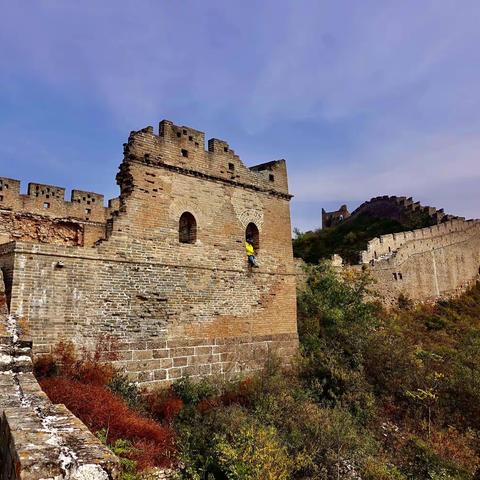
column 352, row 235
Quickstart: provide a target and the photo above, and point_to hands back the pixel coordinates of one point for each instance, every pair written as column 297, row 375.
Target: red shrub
column 164, row 405
column 92, row 367
column 45, row 366
column 99, row 408
column 149, row 454
column 65, row 356
column 457, row 447
column 242, row 394
column 207, row 404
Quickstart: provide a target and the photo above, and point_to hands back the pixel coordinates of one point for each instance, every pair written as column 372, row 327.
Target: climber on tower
column 252, row 261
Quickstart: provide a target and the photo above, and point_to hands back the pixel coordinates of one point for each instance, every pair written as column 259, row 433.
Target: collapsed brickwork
column 163, row 268
column 43, row 216
column 425, row 264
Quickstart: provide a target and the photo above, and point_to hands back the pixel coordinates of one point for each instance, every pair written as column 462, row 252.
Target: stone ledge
column 40, row 440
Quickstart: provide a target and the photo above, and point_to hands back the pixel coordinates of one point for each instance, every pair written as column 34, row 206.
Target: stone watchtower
column 168, row 278
column 330, row 219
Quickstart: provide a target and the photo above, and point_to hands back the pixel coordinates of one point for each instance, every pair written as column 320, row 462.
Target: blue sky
column 362, row 98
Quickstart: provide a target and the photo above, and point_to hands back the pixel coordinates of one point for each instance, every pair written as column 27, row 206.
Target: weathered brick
column 124, row 273
column 142, row 354
column 173, row 373
column 203, row 350
column 180, row 361
column 164, row 353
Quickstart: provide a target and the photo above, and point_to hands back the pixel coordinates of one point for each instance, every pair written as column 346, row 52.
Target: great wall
column 425, row 264
column 162, row 269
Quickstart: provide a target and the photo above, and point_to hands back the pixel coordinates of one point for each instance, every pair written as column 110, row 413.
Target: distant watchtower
column 330, row 219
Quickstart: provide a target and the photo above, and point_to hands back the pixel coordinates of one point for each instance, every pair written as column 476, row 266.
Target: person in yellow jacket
column 252, row 261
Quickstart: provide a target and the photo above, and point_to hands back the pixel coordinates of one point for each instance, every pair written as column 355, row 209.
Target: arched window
column 253, row 233
column 187, row 228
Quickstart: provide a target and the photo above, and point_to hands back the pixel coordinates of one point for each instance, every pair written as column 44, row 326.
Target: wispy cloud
column 362, row 98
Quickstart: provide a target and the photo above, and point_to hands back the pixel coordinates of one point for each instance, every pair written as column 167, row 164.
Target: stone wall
column 175, row 308
column 425, row 264
column 40, row 440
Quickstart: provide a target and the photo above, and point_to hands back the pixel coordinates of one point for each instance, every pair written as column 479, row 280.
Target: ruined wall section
column 177, row 308
column 43, row 215
column 330, row 219
column 427, row 263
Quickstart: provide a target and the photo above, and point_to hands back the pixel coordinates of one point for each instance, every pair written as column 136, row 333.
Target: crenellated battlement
column 49, row 201
column 385, row 246
column 43, row 215
column 183, row 148
column 408, row 205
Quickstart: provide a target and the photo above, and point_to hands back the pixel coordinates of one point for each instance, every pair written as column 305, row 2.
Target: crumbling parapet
column 330, row 219
column 182, row 149
column 43, row 216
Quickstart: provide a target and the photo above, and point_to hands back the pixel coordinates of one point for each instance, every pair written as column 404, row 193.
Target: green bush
column 192, row 392
column 124, row 388
column 123, row 449
column 254, row 452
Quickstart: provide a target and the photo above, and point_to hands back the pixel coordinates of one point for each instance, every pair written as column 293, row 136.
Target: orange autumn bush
column 100, row 409
column 164, row 405
column 88, row 366
column 81, row 381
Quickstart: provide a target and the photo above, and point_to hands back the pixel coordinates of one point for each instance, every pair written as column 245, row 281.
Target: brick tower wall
column 176, row 308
